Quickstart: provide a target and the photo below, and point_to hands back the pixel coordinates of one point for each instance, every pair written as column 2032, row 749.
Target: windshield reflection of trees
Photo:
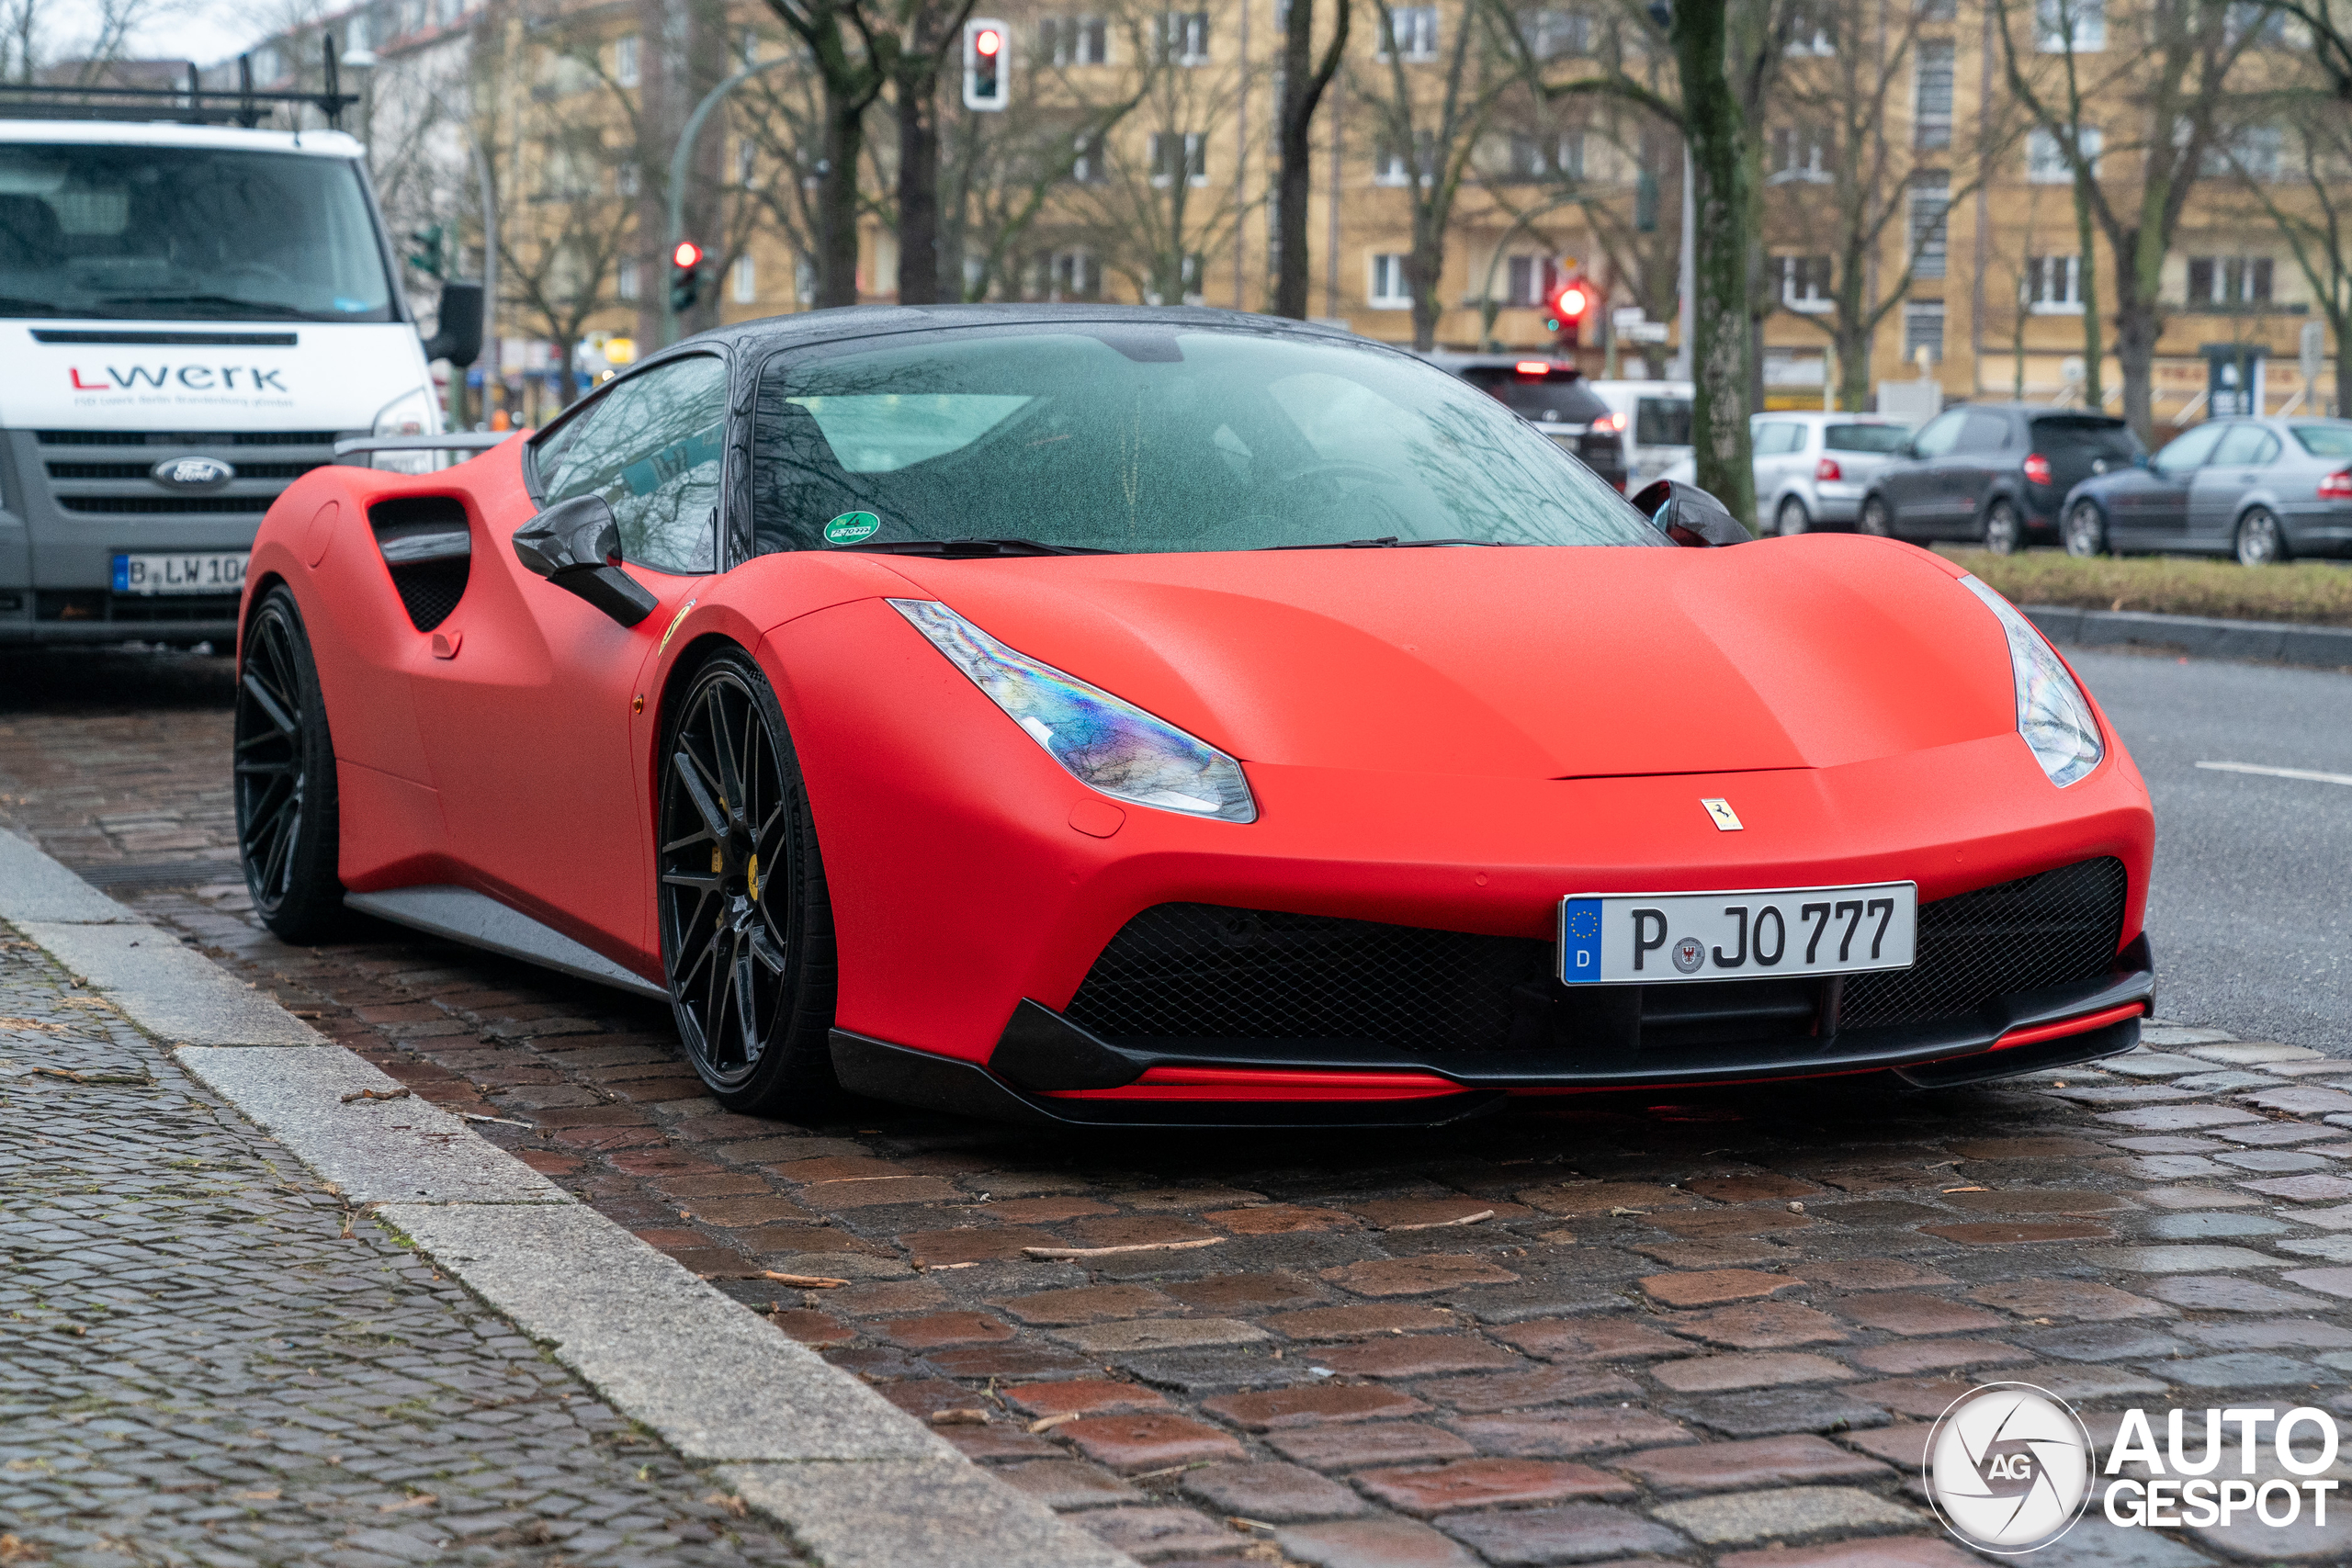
column 1162, row 455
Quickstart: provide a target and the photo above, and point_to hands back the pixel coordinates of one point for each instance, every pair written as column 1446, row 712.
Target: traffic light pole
column 679, row 163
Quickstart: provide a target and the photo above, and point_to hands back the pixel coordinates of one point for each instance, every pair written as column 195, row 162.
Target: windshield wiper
column 256, row 307
column 1386, row 542
column 978, row 548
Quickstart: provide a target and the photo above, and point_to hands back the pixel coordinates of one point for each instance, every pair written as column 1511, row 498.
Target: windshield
column 1143, row 438
column 1662, row 422
column 186, row 233
column 1865, row 437
column 2325, row 440
column 1547, row 397
column 2088, row 437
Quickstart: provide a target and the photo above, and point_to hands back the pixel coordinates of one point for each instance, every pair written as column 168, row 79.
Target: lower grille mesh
column 1207, row 971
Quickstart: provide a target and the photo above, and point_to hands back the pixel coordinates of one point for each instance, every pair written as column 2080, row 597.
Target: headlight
column 2052, row 714
column 410, row 414
column 1106, row 744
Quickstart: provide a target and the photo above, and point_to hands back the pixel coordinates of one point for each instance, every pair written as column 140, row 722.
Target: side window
column 1940, row 435
column 1778, row 437
column 1985, row 433
column 2190, row 451
column 652, row 448
column 2244, row 443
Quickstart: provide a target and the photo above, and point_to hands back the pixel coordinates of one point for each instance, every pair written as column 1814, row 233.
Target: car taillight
column 1828, row 469
column 1609, row 421
column 2337, row 486
column 2037, row 468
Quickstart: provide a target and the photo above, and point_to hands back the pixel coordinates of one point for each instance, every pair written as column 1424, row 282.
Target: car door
column 1775, row 439
column 528, row 723
column 1965, row 477
column 2216, row 491
column 2153, row 515
column 1911, row 488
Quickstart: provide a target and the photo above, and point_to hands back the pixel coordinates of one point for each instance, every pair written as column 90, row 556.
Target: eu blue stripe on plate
column 123, row 574
column 1580, row 940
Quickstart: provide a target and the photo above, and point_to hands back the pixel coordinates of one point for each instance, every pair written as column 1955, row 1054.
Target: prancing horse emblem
column 1724, row 817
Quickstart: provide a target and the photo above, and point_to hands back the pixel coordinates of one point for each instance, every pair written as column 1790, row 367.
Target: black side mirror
column 459, row 339
column 576, row 544
column 1688, row 515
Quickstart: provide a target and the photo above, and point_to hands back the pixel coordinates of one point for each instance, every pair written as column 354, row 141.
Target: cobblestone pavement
column 206, row 1360
column 1710, row 1331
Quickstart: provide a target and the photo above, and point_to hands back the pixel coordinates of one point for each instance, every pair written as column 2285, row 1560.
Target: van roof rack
column 192, row 105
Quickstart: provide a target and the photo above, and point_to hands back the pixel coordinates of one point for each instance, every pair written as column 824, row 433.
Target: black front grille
column 185, row 437
column 145, row 471
column 2052, row 929
column 150, row 504
column 1204, row 972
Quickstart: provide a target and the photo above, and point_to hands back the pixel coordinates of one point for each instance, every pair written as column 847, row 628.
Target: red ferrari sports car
column 1113, row 715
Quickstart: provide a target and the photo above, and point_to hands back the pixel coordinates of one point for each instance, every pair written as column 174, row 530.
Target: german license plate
column 1647, row 939
column 180, row 573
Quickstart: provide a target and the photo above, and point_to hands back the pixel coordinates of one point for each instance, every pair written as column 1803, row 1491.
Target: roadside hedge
column 2310, row 593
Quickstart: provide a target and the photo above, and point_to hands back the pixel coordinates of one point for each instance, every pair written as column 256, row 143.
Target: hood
column 1809, row 651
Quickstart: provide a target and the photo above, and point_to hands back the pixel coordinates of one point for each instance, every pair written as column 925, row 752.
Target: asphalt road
column 2251, row 909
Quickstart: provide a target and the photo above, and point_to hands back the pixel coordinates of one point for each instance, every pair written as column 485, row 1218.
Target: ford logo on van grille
column 193, row 473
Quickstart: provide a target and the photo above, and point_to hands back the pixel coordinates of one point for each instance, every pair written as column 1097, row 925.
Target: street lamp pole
column 496, row 368
column 679, row 162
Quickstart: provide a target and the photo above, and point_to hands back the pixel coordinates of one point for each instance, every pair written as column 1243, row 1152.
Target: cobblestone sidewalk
column 205, row 1360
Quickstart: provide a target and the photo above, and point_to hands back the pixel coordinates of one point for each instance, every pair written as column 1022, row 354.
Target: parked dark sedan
column 1996, row 473
column 2261, row 490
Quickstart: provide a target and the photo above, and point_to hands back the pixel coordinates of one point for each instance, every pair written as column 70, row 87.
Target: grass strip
column 2316, row 594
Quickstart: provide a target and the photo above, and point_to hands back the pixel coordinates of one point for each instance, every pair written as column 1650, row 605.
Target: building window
column 1089, row 168
column 1922, row 327
column 2080, row 25
column 2045, row 156
column 1074, row 41
column 1931, row 77
column 625, row 280
column 1812, row 28
column 1532, row 280
column 1410, row 31
column 1183, row 37
column 1532, row 157
column 1804, row 283
column 2053, row 284
column 2264, row 23
column 1389, row 290
column 1557, row 35
column 1938, row 10
column 747, row 156
column 1072, row 275
column 1388, row 164
column 1173, row 152
column 2229, row 281
column 624, row 65
column 1930, row 203
column 1798, row 152
column 2253, row 150
column 745, row 276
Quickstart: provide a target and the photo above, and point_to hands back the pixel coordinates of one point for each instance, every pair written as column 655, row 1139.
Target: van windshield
column 186, row 233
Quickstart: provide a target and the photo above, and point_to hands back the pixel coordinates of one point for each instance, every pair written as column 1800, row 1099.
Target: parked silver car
column 1812, row 467
column 2262, row 490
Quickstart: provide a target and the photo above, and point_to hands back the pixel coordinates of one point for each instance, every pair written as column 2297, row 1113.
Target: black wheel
column 2085, row 530
column 2261, row 541
column 1790, row 518
column 287, row 828
column 746, row 932
column 1878, row 517
column 2004, row 529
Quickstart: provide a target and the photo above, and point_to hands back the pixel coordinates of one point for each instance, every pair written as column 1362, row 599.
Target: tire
column 2004, row 529
column 746, row 929
column 2261, row 541
column 1877, row 517
column 1790, row 518
column 288, row 833
column 2085, row 530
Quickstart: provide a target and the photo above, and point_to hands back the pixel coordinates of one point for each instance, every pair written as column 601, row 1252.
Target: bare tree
column 852, row 68
column 2316, row 164
column 1306, row 76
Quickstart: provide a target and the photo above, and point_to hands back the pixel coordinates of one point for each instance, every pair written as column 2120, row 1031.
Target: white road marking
column 2277, row 772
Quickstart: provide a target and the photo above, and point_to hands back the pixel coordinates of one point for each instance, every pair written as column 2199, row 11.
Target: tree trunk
column 2087, row 285
column 2343, row 367
column 917, row 101
column 2139, row 322
column 1720, row 352
column 1423, row 269
column 837, row 199
column 1303, row 85
column 1853, row 342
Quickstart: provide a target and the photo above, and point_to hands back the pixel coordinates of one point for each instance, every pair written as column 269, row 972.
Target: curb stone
column 2278, row 642
column 856, row 1482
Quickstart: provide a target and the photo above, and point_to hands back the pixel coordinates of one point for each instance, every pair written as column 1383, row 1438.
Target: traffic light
column 429, row 256
column 686, row 276
column 1568, row 308
column 984, row 47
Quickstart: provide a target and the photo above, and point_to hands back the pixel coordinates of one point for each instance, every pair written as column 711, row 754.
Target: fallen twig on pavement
column 1441, row 1225
column 805, row 1282
column 1064, row 1254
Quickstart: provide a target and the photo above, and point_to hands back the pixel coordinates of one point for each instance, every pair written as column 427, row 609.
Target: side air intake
column 428, row 546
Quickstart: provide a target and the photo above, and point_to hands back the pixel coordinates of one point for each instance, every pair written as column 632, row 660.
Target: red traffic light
column 988, row 40
column 687, row 255
column 1571, row 303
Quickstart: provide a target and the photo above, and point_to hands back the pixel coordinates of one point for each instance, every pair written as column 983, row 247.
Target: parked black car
column 1997, row 473
column 1553, row 396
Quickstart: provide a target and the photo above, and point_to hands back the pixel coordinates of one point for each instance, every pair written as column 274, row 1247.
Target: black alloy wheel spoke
column 714, row 822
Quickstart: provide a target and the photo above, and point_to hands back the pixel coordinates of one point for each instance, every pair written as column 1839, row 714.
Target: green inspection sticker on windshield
column 852, row 527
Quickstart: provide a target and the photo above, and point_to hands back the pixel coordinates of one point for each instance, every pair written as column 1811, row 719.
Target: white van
column 191, row 317
column 1654, row 420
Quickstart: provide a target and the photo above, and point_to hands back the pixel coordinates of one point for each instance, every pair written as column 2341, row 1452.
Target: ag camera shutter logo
column 2008, row 1468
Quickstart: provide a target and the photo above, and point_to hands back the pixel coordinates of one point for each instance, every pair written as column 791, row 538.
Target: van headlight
column 1106, row 744
column 2052, row 714
column 410, row 414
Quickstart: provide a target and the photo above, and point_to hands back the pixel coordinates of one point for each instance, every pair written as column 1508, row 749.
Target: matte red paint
column 2082, row 1025
column 1453, row 738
